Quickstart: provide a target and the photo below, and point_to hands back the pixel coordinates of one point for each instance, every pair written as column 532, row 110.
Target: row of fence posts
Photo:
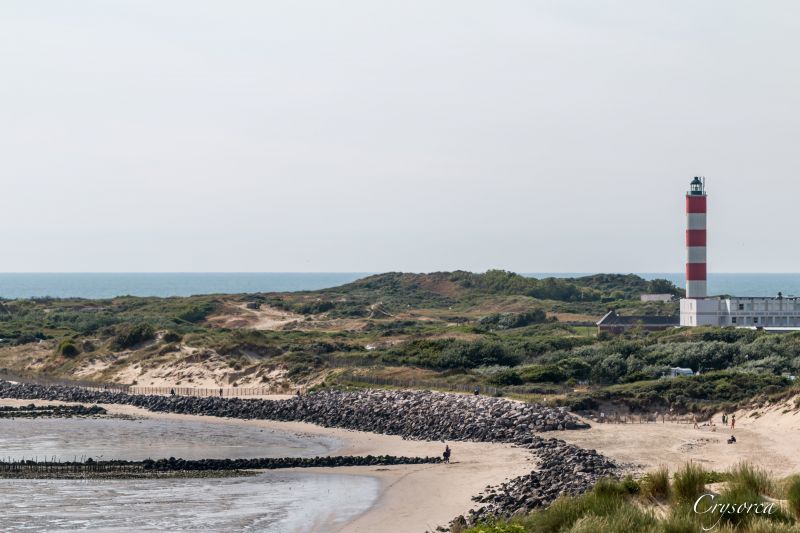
column 225, row 392
column 236, row 392
column 74, row 467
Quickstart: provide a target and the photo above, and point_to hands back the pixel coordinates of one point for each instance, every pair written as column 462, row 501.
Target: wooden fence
column 224, row 392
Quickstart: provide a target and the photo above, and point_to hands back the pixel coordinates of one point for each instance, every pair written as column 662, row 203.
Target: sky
column 533, row 136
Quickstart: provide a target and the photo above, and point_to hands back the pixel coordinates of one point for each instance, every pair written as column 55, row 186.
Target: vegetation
column 502, row 332
column 628, row 505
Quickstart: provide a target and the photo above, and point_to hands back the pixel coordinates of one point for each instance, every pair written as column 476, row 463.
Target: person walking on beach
column 446, row 454
column 733, row 421
column 220, row 393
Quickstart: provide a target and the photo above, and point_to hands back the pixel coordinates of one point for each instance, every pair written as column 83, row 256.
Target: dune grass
column 659, row 503
column 688, row 483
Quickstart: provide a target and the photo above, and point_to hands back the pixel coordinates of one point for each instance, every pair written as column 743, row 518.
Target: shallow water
column 276, row 501
column 113, row 438
column 271, row 502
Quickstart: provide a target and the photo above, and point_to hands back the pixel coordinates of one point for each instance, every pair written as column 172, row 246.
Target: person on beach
column 172, row 392
column 220, row 393
column 477, row 391
column 733, row 421
column 446, row 454
column 732, row 440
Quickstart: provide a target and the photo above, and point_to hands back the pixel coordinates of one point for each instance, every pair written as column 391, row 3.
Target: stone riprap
column 563, row 469
column 411, row 414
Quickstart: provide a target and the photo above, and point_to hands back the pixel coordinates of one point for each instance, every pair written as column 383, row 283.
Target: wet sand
column 410, row 498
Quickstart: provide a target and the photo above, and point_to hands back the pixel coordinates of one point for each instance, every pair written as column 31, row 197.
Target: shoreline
column 411, row 497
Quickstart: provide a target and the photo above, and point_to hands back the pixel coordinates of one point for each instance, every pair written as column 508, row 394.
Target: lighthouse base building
column 698, row 309
column 756, row 312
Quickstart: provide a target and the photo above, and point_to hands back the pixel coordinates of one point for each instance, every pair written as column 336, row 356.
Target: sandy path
column 412, row 498
column 769, row 441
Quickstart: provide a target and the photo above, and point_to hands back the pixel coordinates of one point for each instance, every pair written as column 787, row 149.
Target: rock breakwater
column 410, row 414
column 563, row 469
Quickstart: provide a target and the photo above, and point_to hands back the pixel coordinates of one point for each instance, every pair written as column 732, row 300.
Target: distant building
column 761, row 312
column 656, row 297
column 616, row 324
column 678, row 371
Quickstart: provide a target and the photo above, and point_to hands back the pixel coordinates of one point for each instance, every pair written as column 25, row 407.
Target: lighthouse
column 696, row 273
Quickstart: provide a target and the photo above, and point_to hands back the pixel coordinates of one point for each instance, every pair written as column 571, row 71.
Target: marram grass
column 660, row 503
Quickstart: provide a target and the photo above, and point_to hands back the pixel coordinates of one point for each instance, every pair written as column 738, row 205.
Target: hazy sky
column 396, row 135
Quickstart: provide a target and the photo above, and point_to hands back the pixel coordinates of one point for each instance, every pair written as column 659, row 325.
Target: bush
column 197, row 313
column 793, row 494
column 171, row 336
column 689, row 483
column 129, row 336
column 656, row 484
column 443, row 354
column 67, row 348
column 542, row 374
column 513, row 320
column 505, row 377
column 751, row 478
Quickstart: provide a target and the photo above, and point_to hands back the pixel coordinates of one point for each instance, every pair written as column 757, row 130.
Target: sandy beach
column 412, row 497
column 765, row 437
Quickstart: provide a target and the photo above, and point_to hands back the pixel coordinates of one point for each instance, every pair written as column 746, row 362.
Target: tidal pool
column 275, row 501
column 114, row 438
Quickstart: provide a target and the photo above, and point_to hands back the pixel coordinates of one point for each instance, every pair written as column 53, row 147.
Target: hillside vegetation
column 498, row 331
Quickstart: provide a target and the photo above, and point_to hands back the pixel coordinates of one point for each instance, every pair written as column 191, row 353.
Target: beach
column 766, row 437
column 410, row 497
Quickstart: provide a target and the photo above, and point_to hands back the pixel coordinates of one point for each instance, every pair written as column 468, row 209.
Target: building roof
column 613, row 319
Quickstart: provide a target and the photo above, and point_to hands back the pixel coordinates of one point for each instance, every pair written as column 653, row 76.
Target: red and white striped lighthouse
column 696, row 274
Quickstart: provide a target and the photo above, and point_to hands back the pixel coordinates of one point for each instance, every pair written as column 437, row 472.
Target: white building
column 656, row 297
column 779, row 312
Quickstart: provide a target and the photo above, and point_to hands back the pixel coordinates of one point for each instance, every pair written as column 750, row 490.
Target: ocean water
column 111, row 284
column 108, row 285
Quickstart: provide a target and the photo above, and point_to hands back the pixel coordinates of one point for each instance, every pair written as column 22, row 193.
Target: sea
column 166, row 284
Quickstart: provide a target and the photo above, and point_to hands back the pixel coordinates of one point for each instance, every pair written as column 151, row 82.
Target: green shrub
column 751, row 478
column 503, row 321
column 171, row 336
column 197, row 313
column 689, row 483
column 542, row 374
column 67, row 348
column 129, row 336
column 655, row 484
column 505, row 377
column 793, row 494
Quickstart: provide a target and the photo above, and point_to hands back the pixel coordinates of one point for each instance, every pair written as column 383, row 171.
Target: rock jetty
column 68, row 469
column 411, row 414
column 563, row 469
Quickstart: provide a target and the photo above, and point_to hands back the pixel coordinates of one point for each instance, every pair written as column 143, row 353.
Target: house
column 616, row 324
column 678, row 371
